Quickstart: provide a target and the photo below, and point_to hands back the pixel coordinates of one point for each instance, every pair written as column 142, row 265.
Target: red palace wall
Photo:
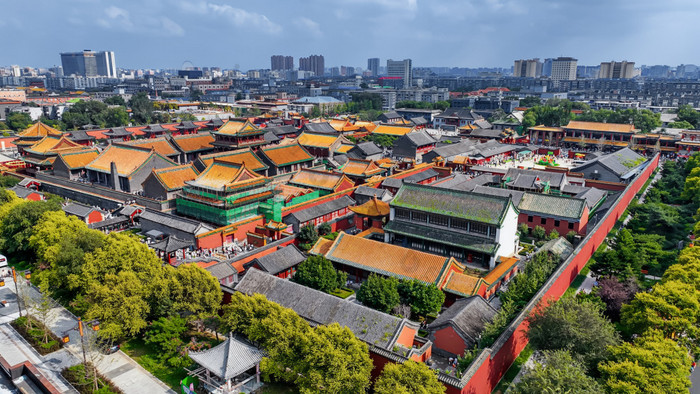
column 448, row 340
column 549, row 225
column 490, row 366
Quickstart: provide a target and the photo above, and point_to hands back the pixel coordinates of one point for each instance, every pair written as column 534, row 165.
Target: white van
column 3, row 261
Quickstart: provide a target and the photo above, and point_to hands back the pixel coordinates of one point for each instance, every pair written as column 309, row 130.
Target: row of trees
column 441, row 105
column 557, row 112
column 403, row 297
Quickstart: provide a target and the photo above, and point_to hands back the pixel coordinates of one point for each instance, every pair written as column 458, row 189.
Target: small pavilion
column 230, row 367
column 372, row 214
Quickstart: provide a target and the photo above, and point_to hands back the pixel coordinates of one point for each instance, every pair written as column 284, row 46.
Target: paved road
column 123, row 371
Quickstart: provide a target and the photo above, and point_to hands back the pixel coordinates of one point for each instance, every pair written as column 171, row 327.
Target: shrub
column 539, row 232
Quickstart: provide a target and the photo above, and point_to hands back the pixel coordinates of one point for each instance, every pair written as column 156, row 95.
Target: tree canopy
column 423, row 298
column 558, row 372
column 408, row 378
column 379, row 293
column 318, row 273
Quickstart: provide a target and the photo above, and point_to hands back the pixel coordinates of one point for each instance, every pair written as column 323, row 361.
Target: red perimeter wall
column 485, row 377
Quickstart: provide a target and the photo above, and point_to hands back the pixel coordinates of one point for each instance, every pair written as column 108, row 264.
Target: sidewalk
column 124, row 372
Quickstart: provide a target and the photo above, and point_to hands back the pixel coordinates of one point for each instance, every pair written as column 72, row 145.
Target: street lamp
column 19, row 302
column 66, row 338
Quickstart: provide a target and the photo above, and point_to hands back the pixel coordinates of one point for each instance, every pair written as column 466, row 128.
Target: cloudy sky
column 460, row 33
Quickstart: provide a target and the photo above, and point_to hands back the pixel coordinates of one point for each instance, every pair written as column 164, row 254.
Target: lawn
column 145, row 355
column 512, row 372
column 342, row 292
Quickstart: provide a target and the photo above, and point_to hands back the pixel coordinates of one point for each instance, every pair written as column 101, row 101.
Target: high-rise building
column 402, row 69
column 279, row 62
column 89, row 63
column 564, row 69
column 616, row 70
column 313, row 63
column 531, row 68
column 547, row 67
column 373, row 66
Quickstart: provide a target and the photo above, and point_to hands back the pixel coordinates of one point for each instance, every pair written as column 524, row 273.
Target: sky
column 451, row 33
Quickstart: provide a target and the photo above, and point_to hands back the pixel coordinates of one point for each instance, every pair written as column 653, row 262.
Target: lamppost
column 27, row 274
column 66, row 338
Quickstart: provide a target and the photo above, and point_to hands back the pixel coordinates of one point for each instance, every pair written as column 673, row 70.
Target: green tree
column 318, row 273
column 423, row 298
column 558, row 372
column 190, row 291
column 166, row 335
column 116, row 117
column 85, row 112
column 18, row 224
column 576, row 326
column 683, row 124
column 115, row 100
column 141, row 108
column 530, row 101
column 539, row 232
column 324, row 229
column 7, row 181
column 18, row 120
column 554, row 234
column 671, row 307
column 379, row 293
column 524, row 229
column 308, row 234
column 652, row 364
column 408, row 378
column 686, row 113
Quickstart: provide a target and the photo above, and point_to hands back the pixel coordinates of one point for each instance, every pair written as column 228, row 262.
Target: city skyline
column 225, row 34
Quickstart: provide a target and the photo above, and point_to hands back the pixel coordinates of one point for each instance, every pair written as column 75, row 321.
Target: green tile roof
column 466, row 205
column 444, row 237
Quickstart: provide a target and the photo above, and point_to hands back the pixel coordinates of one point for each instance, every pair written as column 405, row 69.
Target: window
column 459, row 224
column 571, row 226
column 478, row 228
column 543, row 221
column 530, row 218
column 556, row 223
column 438, row 220
column 419, row 216
column 402, row 214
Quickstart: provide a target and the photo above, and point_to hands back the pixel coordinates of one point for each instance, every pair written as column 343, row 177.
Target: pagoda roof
column 360, row 167
column 240, row 156
column 52, row 145
column 222, row 175
column 160, row 145
column 39, row 129
column 228, row 359
column 174, row 178
column 232, row 127
column 155, row 128
column 79, row 159
column 127, row 159
column 374, row 207
column 287, row 154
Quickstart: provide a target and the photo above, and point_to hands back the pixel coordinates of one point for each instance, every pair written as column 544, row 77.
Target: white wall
column 507, row 235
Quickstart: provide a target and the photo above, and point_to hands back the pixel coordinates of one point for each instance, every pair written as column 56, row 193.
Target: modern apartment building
column 373, row 66
column 616, row 70
column 564, row 69
column 531, row 68
column 313, row 63
column 402, row 69
column 279, row 62
column 89, row 64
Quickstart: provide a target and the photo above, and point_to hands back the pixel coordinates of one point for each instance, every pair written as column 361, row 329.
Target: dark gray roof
column 515, row 195
column 79, row 210
column 461, row 113
column 421, row 176
column 172, row 244
column 419, row 138
column 552, row 206
column 109, row 222
column 27, row 181
column 572, row 189
column 229, row 358
column 221, row 270
column 390, row 115
column 620, row 163
column 216, row 122
column 323, row 127
column 465, row 183
column 527, row 179
column 23, row 192
column 419, row 121
column 593, row 196
column 80, row 135
column 367, row 148
column 175, row 222
column 449, row 151
column 468, row 316
column 117, row 132
column 128, row 210
column 392, row 182
column 154, row 128
column 487, row 133
column 186, row 125
column 466, row 205
column 371, row 326
column 322, row 209
column 282, row 130
column 560, row 246
column 371, row 192
column 280, row 260
column 482, row 123
column 270, row 137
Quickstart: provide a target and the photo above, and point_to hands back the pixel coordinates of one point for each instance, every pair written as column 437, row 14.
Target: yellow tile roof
column 373, row 207
column 504, row 266
column 546, row 128
column 39, row 129
column 287, row 154
column 316, row 140
column 369, row 126
column 462, row 284
column 240, row 156
column 127, row 159
column 392, row 130
column 288, row 191
column 160, row 145
column 224, row 175
column 342, row 125
column 318, row 179
column 79, row 159
column 321, row 247
column 173, row 178
column 194, row 142
column 387, row 259
column 232, row 127
column 359, row 167
column 598, row 126
column 51, row 144
column 344, row 148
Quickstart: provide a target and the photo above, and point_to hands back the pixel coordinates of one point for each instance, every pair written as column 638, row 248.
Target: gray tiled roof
column 419, row 121
column 524, row 178
column 216, row 122
column 79, row 210
column 392, row 182
column 514, row 195
column 282, row 130
column 560, row 246
column 172, row 244
column 466, row 205
column 323, row 127
column 467, row 315
column 371, row 326
column 281, row 259
column 419, row 138
column 552, row 206
column 620, row 162
column 371, row 192
column 270, row 137
column 482, row 123
column 80, row 135
column 322, row 209
column 487, row 133
column 229, row 359
column 368, row 148
column 421, row 176
column 573, row 189
column 117, row 132
column 23, row 192
column 461, row 113
column 154, row 128
column 465, row 183
column 593, row 196
column 222, row 270
column 175, row 222
column 186, row 125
